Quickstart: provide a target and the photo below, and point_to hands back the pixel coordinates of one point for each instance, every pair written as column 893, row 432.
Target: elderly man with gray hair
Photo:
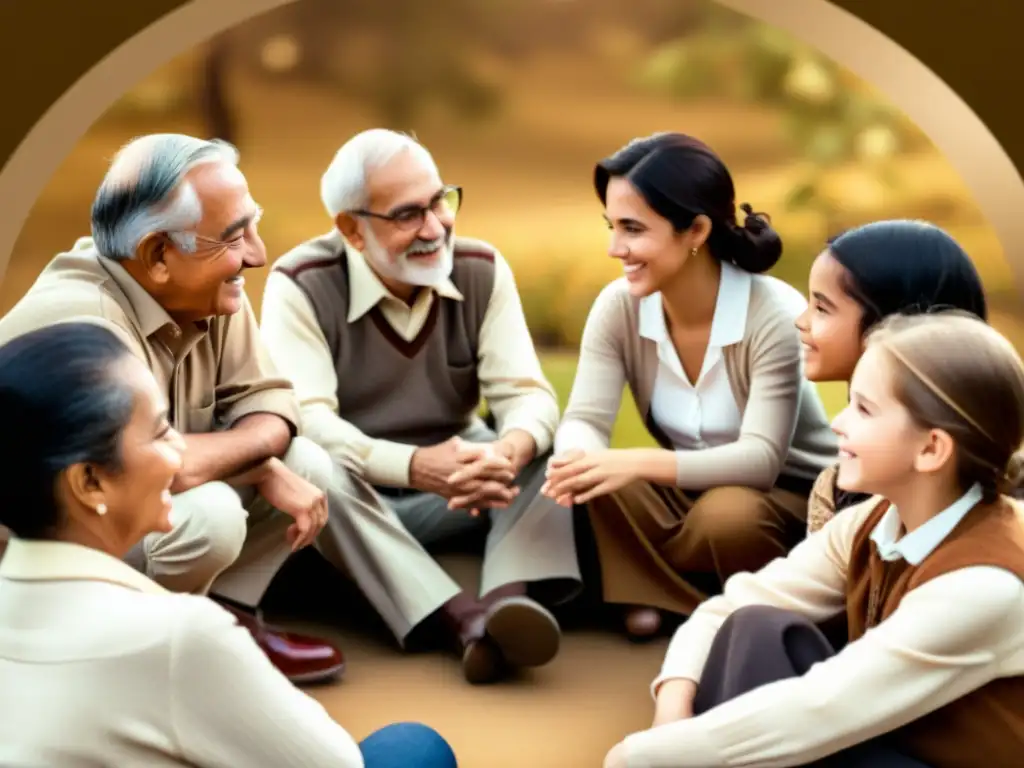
column 392, row 329
column 173, row 231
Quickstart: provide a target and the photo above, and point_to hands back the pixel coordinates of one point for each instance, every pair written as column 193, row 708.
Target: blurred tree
column 831, row 116
column 404, row 55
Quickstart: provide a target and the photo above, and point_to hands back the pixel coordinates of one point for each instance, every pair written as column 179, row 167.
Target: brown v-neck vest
column 420, row 392
column 984, row 729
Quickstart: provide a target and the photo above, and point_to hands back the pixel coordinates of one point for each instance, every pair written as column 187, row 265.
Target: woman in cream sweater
column 99, row 665
column 707, row 346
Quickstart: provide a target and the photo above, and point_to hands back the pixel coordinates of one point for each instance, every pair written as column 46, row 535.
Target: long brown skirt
column 671, row 549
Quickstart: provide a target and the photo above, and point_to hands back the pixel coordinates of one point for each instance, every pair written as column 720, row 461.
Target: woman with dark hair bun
column 99, row 665
column 707, row 346
column 866, row 274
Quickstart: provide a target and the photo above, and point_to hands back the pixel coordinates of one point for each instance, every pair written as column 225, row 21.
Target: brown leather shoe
column 300, row 658
column 526, row 633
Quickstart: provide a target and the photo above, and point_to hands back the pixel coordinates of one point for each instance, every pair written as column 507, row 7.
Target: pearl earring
column 101, row 509
column 693, row 252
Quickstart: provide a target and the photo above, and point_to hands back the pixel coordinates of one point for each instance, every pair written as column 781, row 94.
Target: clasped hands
column 576, row 476
column 471, row 476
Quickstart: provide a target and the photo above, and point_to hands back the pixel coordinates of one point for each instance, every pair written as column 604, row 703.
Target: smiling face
column 830, row 327
column 651, row 251
column 136, row 492
column 881, row 448
column 206, row 282
column 408, row 237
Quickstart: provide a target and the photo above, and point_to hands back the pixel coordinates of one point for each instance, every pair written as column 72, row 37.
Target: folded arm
column 297, row 344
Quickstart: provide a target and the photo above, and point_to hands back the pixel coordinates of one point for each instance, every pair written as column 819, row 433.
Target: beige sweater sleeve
column 773, row 404
column 600, row 376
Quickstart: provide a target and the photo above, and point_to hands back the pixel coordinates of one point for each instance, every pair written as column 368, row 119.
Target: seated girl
column 99, row 665
column 708, row 348
column 929, row 572
column 866, row 274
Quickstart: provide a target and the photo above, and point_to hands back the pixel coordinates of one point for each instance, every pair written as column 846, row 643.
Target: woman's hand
column 575, row 477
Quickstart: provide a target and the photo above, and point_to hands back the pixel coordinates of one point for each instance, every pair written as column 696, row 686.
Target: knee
column 400, row 744
column 756, row 619
column 217, row 522
column 729, row 516
column 310, row 462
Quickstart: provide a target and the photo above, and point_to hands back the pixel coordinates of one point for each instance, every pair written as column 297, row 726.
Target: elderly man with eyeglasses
column 392, row 330
column 173, row 233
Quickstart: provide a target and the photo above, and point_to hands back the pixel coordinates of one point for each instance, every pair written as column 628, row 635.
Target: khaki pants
column 225, row 541
column 381, row 539
column 666, row 548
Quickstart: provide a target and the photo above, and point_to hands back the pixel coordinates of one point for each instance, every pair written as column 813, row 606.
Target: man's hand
column 484, row 478
column 296, row 497
column 674, row 702
column 575, row 477
column 469, row 475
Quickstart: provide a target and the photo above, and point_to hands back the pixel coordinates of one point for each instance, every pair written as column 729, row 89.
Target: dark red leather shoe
column 300, row 658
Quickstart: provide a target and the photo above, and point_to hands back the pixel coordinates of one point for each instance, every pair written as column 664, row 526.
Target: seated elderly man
column 174, row 229
column 391, row 330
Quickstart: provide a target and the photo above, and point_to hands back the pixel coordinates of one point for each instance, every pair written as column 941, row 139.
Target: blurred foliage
column 830, row 116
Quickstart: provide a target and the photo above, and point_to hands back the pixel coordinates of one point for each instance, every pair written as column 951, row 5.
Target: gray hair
column 343, row 185
column 145, row 191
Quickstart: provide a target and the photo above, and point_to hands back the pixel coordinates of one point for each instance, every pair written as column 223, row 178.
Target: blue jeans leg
column 407, row 745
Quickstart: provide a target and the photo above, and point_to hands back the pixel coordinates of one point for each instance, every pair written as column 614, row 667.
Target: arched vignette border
column 972, row 149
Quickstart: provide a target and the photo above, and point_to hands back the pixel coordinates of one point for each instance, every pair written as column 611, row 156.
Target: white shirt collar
column 915, row 546
column 26, row 560
column 730, row 321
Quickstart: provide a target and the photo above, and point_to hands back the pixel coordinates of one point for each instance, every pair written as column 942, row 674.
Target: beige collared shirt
column 913, row 663
column 511, row 379
column 99, row 666
column 214, row 372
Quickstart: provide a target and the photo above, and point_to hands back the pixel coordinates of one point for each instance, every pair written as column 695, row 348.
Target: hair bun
column 1013, row 477
column 755, row 222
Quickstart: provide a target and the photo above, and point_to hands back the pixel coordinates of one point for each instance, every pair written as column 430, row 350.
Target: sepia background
column 517, row 99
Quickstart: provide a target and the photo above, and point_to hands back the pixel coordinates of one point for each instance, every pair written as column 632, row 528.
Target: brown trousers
column 668, row 548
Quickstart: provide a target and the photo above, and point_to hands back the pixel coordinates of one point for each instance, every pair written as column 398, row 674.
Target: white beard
column 406, row 269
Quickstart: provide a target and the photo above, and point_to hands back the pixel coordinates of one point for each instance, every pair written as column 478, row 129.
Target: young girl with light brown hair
column 929, row 572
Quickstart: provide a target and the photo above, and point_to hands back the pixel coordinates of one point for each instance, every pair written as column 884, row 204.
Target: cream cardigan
column 784, row 430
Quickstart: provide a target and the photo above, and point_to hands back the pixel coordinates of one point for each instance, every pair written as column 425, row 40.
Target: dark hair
column 907, row 267
column 62, row 404
column 681, row 178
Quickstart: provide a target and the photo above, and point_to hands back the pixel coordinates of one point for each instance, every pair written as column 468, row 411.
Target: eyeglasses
column 412, row 217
